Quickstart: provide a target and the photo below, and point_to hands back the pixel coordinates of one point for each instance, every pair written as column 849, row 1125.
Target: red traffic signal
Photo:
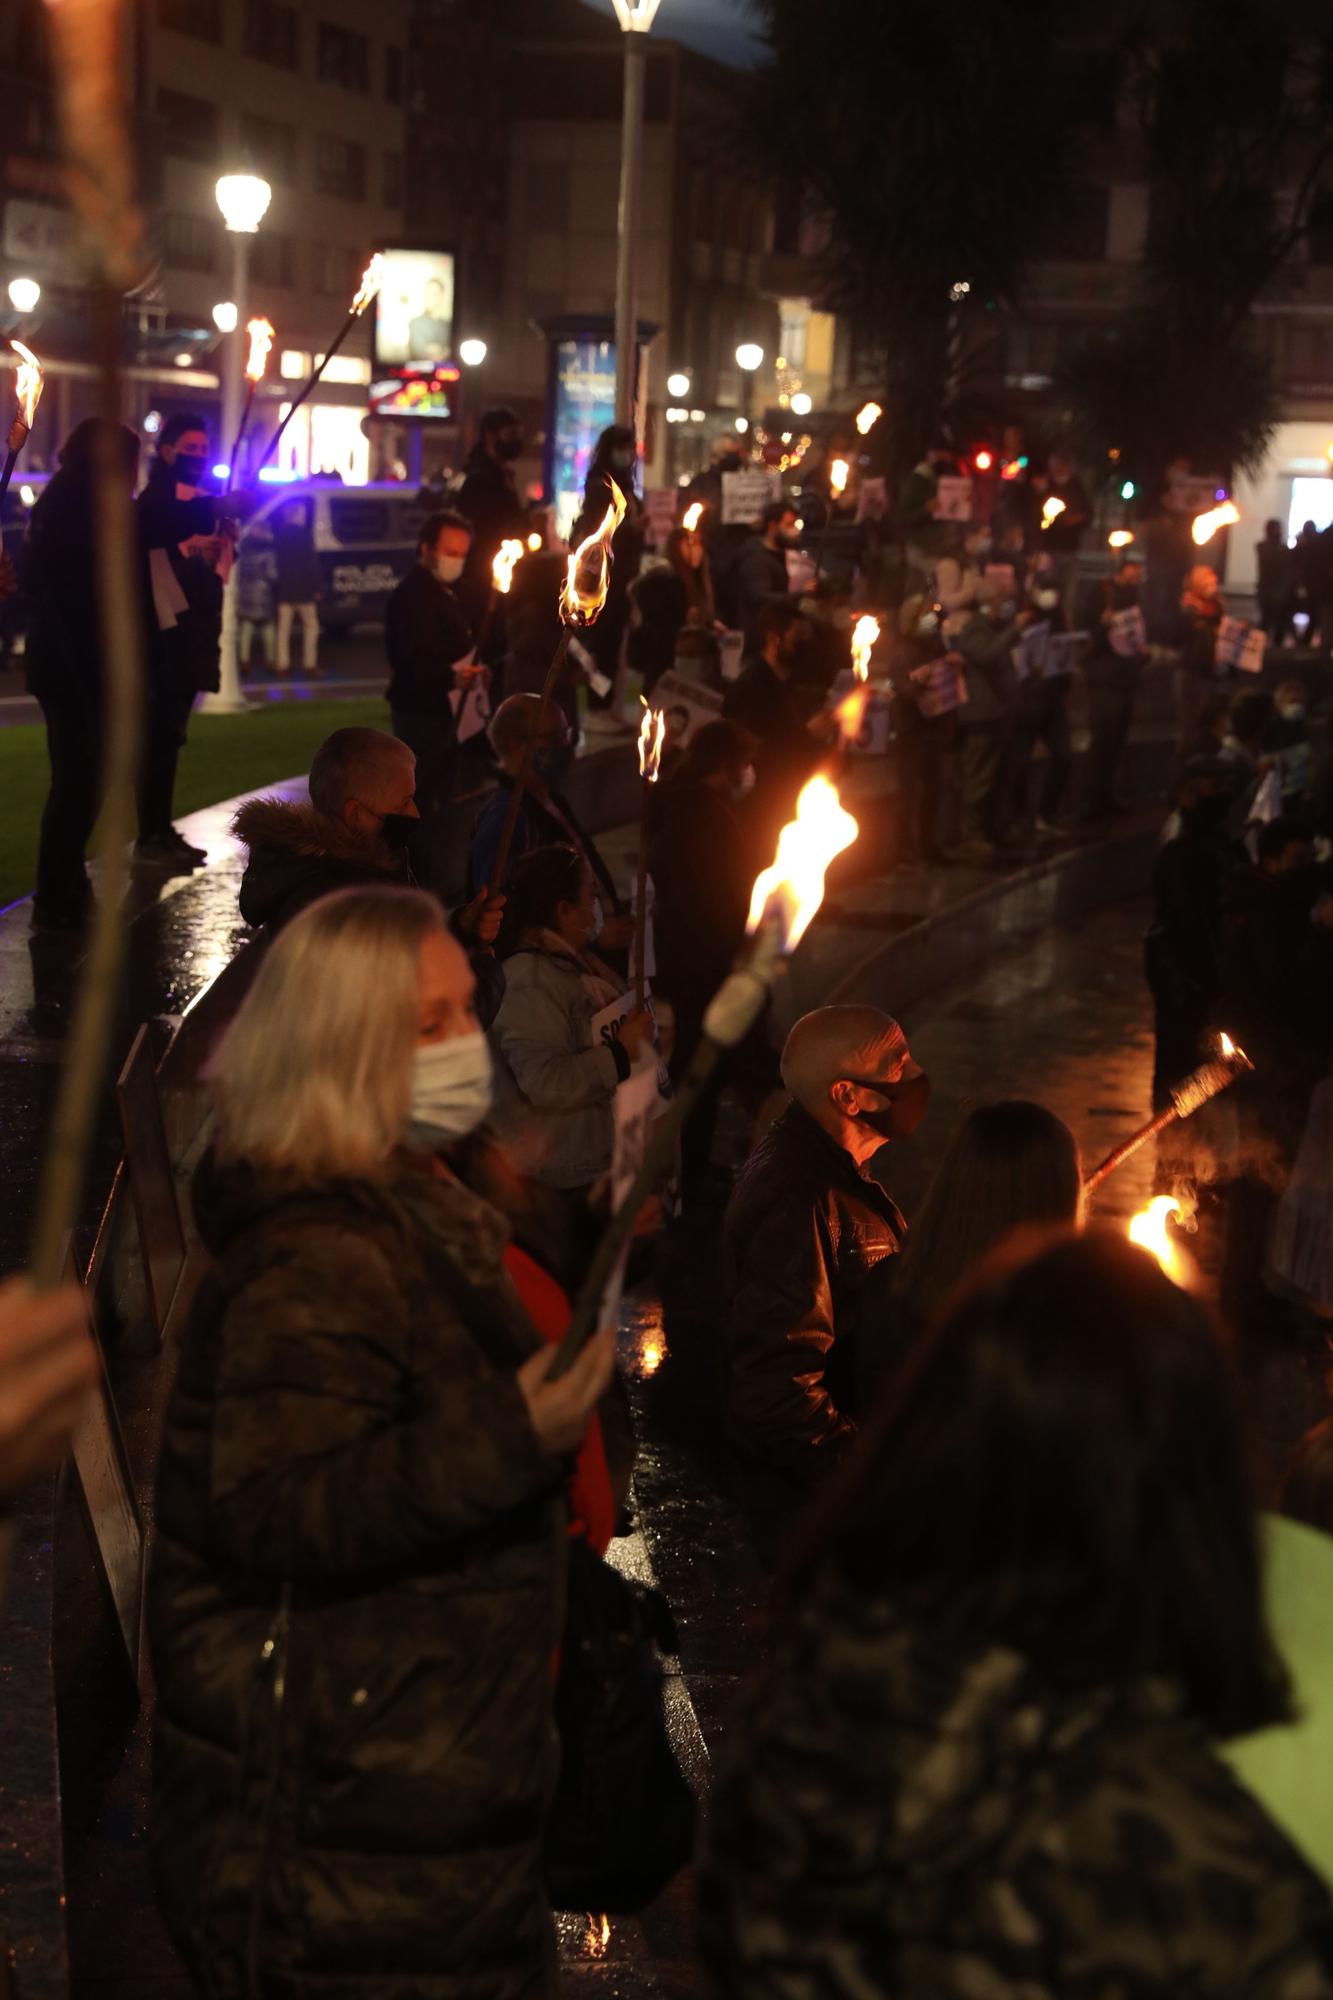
column 983, row 460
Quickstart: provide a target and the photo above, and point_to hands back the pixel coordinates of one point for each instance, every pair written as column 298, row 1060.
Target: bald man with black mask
column 805, row 1227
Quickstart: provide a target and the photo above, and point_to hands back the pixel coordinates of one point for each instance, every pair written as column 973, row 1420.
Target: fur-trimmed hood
column 298, row 854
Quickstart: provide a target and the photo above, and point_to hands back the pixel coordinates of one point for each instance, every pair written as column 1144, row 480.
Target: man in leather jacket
column 805, row 1227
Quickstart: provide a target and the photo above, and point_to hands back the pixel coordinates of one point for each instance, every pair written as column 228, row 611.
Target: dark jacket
column 425, row 632
column 355, row 1602
column 758, row 576
column 702, row 865
column 489, row 499
column 185, row 653
column 992, row 686
column 893, row 1818
column 1183, row 947
column 535, row 827
column 1106, row 671
column 769, row 708
column 63, row 659
column 802, row 1232
column 298, row 854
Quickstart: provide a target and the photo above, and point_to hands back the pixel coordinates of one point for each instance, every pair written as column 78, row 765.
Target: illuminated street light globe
column 243, row 200
column 749, row 356
column 24, row 294
column 472, row 353
column 678, row 385
column 636, row 16
column 801, row 404
column 224, row 316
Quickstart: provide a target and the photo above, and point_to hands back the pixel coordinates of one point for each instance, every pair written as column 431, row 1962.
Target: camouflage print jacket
column 355, row 1600
column 892, row 1823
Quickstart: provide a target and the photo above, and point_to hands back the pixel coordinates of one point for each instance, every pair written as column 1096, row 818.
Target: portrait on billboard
column 414, row 318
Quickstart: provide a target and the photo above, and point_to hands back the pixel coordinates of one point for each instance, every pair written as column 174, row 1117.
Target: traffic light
column 1127, row 490
column 983, row 460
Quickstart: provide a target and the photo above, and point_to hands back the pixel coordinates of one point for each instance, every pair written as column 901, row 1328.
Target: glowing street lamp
column 24, row 294
column 801, row 404
column 225, row 316
column 749, row 356
column 678, row 385
column 636, row 18
column 472, row 353
column 243, row 201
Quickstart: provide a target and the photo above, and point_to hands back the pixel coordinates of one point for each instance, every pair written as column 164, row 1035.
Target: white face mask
column 927, row 623
column 746, row 784
column 1291, row 711
column 451, row 1090
column 447, row 568
column 1046, row 600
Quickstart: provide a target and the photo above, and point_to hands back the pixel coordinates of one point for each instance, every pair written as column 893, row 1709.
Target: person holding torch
column 429, row 641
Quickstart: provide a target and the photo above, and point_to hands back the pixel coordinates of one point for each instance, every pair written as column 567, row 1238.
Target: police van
column 365, row 538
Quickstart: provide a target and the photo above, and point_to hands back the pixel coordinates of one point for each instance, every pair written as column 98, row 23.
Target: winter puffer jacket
column 892, row 1819
column 298, row 854
column 555, row 1105
column 355, row 1603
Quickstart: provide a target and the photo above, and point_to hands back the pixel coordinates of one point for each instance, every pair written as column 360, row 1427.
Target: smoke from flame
column 371, row 280
column 588, row 574
column 865, row 635
column 806, row 846
column 502, row 569
column 652, row 731
column 27, row 381
column 261, row 340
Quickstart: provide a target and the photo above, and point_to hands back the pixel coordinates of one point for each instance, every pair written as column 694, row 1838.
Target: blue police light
column 274, row 475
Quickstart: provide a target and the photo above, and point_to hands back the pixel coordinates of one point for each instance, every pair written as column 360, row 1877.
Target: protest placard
column 686, row 707
column 940, row 685
column 953, row 499
column 1241, row 645
column 1029, row 655
column 659, row 504
column 746, row 494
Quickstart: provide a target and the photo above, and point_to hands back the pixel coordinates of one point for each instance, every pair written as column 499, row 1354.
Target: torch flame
column 261, row 340
column 652, row 731
column 1206, row 525
column 837, row 475
column 371, row 280
column 867, row 417
column 806, row 846
column 534, row 543
column 1052, row 509
column 865, row 635
column 588, row 574
column 1227, row 1046
column 597, row 1935
column 1148, row 1229
column 693, row 515
column 27, row 381
column 850, row 713
column 1119, row 538
column 502, row 569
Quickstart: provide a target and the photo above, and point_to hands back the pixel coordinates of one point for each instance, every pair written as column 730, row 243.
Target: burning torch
column 1205, row 526
column 785, row 899
column 693, row 514
column 582, row 596
column 837, row 479
column 28, row 393
column 850, row 713
column 371, row 280
column 652, row 731
column 867, row 417
column 1187, row 1097
column 256, row 361
column 502, row 577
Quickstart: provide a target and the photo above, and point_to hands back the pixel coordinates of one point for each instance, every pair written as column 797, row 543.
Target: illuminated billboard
column 418, row 389
column 414, row 313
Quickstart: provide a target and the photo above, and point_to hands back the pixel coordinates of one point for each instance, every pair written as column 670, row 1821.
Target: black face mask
column 399, row 832
column 509, row 447
column 904, row 1111
column 189, row 469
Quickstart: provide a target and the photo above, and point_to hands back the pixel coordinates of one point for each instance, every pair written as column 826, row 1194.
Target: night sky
column 719, row 28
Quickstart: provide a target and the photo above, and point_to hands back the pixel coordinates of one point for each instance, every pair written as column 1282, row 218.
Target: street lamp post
column 636, row 18
column 471, row 353
column 243, row 200
column 749, row 359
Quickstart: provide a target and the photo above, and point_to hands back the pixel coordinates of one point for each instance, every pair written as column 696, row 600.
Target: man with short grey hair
column 805, row 1227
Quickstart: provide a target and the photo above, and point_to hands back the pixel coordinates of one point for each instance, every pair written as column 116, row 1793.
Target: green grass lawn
column 226, row 754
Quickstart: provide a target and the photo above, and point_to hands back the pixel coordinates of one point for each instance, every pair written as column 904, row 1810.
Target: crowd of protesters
column 1037, row 1704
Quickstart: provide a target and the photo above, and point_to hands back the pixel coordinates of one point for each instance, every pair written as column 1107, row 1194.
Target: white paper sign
column 1240, row 645
column 941, row 686
column 1062, row 653
column 731, row 648
column 472, row 707
column 637, row 1103
column 1129, row 634
column 800, row 571
column 1030, row 654
column 746, row 494
column 953, row 499
column 659, row 504
column 686, row 706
